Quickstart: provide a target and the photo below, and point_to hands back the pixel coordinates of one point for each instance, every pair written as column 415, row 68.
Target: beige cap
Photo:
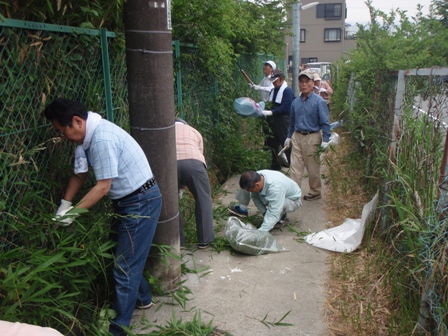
column 307, row 73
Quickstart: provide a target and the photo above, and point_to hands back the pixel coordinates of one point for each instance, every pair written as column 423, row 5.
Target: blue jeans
column 134, row 228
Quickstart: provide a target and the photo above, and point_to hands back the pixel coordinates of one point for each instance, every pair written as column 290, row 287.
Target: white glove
column 287, row 142
column 64, row 206
column 324, row 145
column 250, row 84
column 266, row 113
column 255, row 87
column 60, row 214
column 322, row 90
column 181, row 193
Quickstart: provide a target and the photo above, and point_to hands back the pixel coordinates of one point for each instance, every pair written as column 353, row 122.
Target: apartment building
column 324, row 35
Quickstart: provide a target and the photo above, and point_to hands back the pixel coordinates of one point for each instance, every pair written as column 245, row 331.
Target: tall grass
column 51, row 275
column 378, row 289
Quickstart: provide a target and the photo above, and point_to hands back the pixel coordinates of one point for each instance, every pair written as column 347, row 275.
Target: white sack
column 347, row 236
column 334, row 139
column 245, row 238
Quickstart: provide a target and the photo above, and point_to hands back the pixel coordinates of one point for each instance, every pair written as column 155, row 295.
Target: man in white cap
column 265, row 86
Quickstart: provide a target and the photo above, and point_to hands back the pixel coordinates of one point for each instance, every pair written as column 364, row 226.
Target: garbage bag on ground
column 245, row 238
column 247, row 107
column 347, row 236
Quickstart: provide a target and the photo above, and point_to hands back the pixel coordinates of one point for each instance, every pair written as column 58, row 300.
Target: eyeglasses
column 61, row 133
column 304, row 82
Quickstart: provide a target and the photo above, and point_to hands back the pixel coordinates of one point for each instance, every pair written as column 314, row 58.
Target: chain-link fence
column 400, row 129
column 422, row 108
column 40, row 62
column 67, row 268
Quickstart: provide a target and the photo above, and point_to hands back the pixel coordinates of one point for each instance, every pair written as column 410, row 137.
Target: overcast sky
column 357, row 11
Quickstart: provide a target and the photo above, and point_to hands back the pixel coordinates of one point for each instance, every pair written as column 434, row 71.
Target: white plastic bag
column 334, row 139
column 347, row 236
column 245, row 238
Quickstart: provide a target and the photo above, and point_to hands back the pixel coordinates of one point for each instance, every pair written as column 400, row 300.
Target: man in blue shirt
column 281, row 97
column 309, row 130
column 123, row 172
column 274, row 194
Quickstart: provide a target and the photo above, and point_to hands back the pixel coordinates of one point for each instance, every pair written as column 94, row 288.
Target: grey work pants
column 193, row 175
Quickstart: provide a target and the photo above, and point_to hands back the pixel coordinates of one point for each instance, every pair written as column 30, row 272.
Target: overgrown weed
column 357, row 295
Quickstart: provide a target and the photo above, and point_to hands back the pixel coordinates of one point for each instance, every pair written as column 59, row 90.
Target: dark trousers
column 192, row 173
column 275, row 138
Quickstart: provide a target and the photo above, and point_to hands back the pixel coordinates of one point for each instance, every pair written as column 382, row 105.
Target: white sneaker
column 146, row 306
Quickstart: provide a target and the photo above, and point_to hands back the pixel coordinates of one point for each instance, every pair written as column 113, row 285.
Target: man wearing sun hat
column 308, row 132
column 265, row 85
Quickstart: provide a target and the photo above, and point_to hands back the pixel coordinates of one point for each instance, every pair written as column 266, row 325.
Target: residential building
column 324, row 35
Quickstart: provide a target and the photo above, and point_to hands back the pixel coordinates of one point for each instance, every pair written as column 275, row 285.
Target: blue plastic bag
column 247, row 107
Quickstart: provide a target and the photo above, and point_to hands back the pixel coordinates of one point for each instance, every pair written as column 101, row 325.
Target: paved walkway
column 241, row 290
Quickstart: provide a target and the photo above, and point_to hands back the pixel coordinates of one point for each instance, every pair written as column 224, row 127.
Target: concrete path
column 241, row 290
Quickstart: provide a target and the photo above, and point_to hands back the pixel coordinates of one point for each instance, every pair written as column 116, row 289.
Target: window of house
column 332, row 35
column 302, row 35
column 329, row 11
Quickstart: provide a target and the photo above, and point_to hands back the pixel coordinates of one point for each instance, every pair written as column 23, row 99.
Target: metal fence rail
column 398, row 121
column 422, row 97
column 39, row 62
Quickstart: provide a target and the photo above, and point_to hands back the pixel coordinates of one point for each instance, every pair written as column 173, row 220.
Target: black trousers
column 275, row 138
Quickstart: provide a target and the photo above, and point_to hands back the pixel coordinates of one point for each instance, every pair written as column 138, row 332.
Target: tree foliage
column 225, row 29
column 440, row 9
column 394, row 41
column 79, row 13
column 390, row 42
column 221, row 29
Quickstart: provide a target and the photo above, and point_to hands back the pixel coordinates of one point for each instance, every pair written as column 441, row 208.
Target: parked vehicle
column 322, row 68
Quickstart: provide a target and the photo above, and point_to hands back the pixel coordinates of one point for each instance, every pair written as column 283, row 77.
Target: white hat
column 271, row 63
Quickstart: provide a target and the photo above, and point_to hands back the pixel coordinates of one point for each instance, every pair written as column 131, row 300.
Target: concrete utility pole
column 296, row 8
column 151, row 107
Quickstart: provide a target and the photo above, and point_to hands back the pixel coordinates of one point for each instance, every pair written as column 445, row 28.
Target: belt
column 306, row 133
column 147, row 185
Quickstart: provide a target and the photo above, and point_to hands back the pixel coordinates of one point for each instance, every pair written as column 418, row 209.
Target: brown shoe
column 311, row 197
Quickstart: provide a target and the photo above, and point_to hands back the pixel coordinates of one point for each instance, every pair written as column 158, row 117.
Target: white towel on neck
column 279, row 97
column 81, row 164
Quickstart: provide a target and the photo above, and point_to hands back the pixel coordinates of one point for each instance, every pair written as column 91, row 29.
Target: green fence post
column 216, row 87
column 106, row 74
column 178, row 77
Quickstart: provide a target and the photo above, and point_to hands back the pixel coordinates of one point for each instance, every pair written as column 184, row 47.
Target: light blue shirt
column 310, row 115
column 277, row 187
column 114, row 154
